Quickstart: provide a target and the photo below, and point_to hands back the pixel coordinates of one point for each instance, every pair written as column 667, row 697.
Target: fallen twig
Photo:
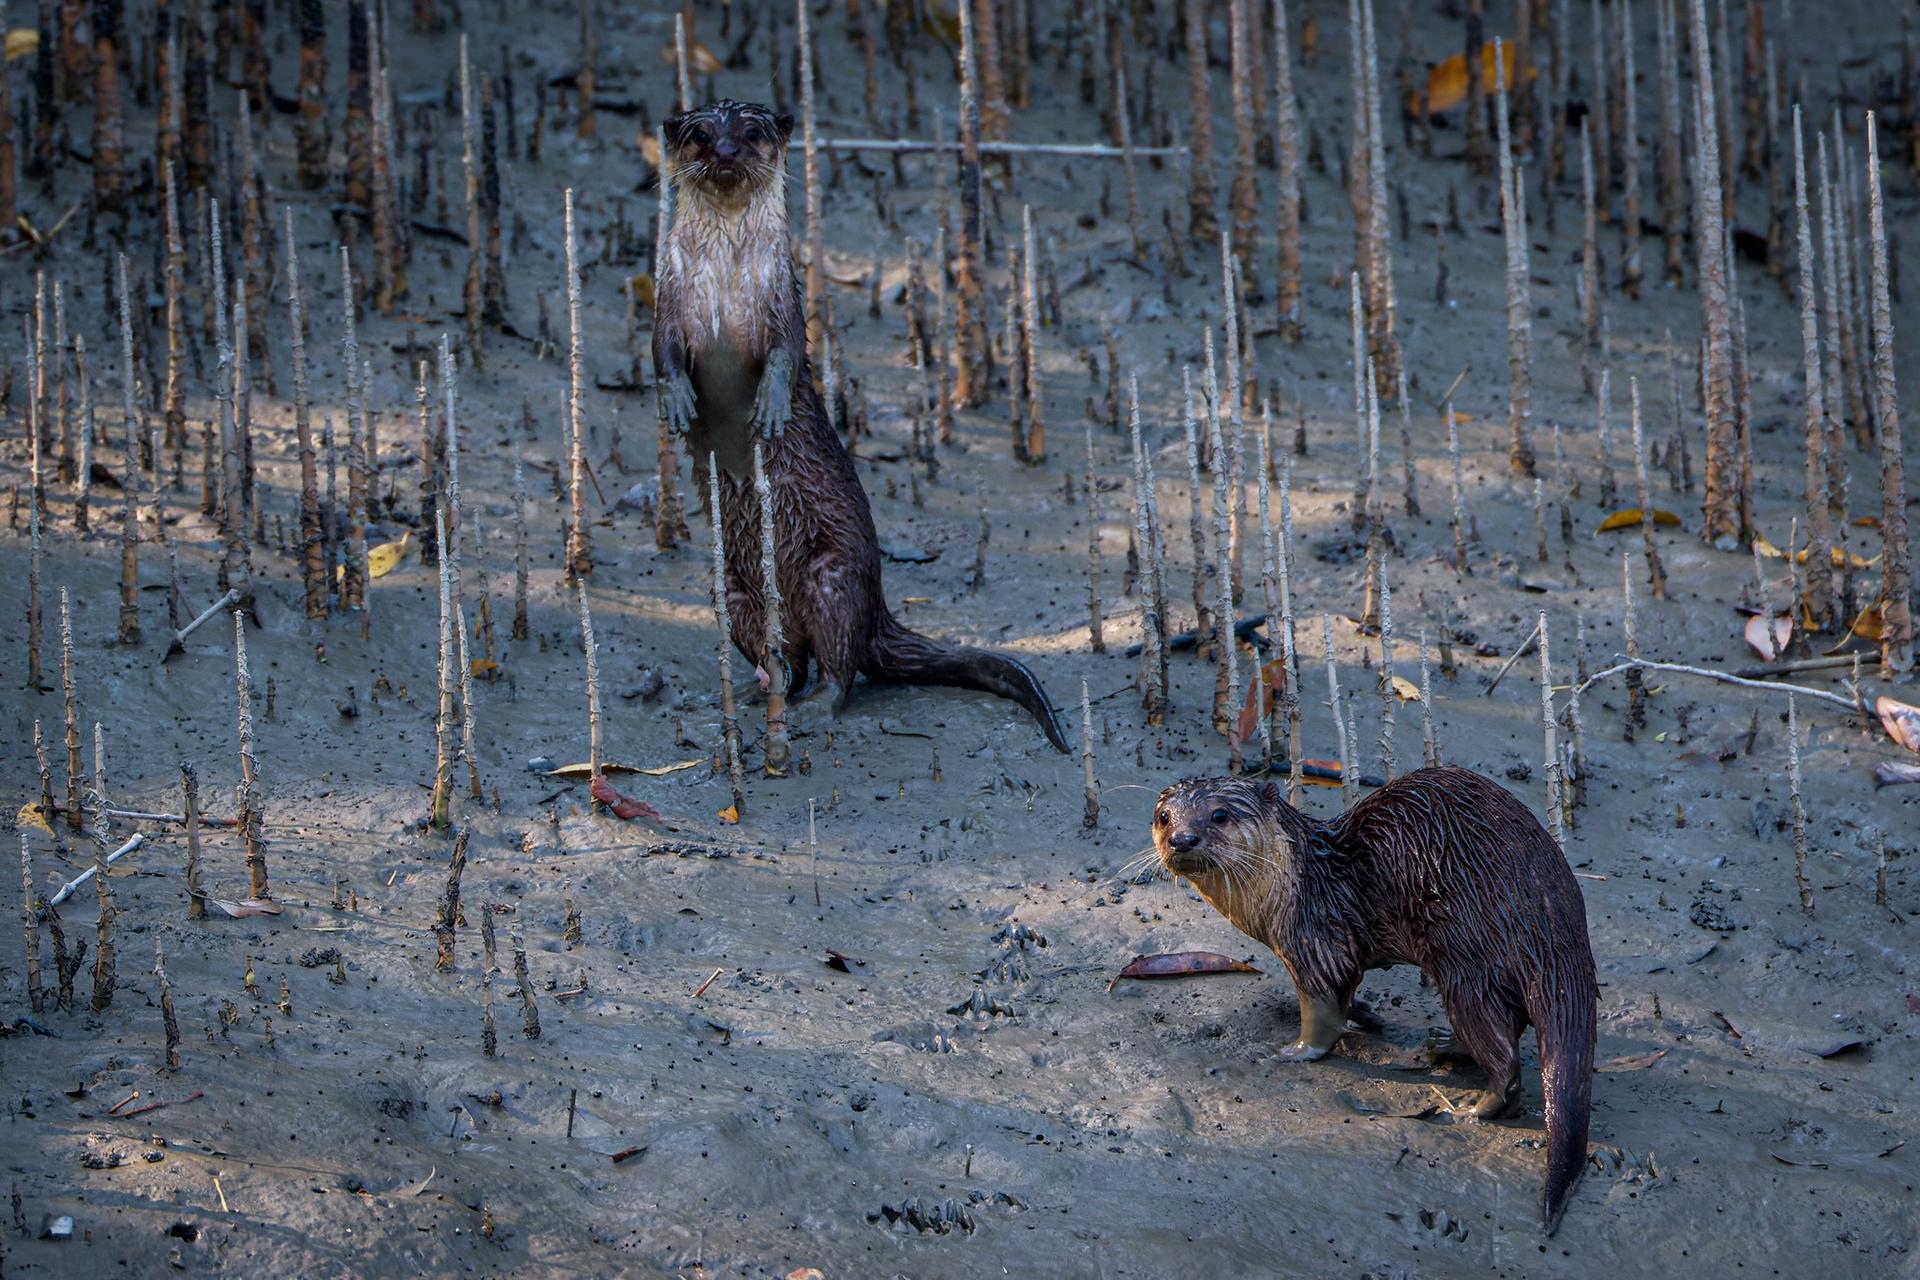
column 987, row 148
column 195, row 1096
column 1526, row 644
column 179, row 642
column 67, row 890
column 1632, row 664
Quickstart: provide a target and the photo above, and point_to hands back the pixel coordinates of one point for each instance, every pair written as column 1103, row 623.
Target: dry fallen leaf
column 1901, row 721
column 649, row 144
column 1629, row 518
column 730, row 814
column 383, row 559
column 246, row 907
column 1868, row 625
column 585, row 770
column 22, row 41
column 624, row 808
column 1260, row 698
column 32, row 815
column 1405, row 689
column 700, row 59
column 1634, row 1062
column 642, row 286
column 483, row 668
column 1769, row 636
column 661, row 771
column 1447, row 82
column 1181, row 964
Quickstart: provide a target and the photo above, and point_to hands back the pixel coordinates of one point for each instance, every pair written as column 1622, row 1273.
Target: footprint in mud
column 980, row 1006
column 939, row 1218
column 921, row 1038
column 944, row 1216
column 1445, row 1225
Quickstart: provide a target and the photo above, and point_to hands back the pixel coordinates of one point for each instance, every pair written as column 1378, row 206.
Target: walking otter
column 1441, row 868
column 730, row 355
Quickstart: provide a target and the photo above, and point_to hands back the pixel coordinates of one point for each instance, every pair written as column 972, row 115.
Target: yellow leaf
column 1629, row 518
column 1447, row 82
column 1462, row 418
column 1771, row 552
column 1660, row 736
column 642, row 286
column 730, row 814
column 383, row 559
column 665, row 769
column 22, row 41
column 1405, row 689
column 650, row 149
column 485, row 667
column 31, row 815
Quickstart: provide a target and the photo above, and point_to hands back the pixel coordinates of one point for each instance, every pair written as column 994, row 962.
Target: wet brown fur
column 1441, row 868
column 728, row 330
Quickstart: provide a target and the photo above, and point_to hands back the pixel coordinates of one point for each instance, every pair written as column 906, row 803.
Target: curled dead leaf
column 623, row 807
column 22, row 41
column 730, row 814
column 1868, row 624
column 1630, row 517
column 483, row 668
column 383, row 559
column 1900, row 720
column 1181, row 964
column 1634, row 1062
column 1260, row 698
column 643, row 288
column 1405, row 690
column 1769, row 636
column 32, row 815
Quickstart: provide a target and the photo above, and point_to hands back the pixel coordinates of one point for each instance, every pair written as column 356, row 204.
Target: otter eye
column 1162, row 818
column 1220, row 817
column 751, row 133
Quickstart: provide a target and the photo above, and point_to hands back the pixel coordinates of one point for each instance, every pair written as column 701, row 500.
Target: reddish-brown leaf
column 1181, row 964
column 623, row 808
column 1901, row 721
column 1260, row 698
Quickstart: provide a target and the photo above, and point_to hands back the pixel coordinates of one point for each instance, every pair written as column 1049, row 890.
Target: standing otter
column 1441, row 868
column 730, row 354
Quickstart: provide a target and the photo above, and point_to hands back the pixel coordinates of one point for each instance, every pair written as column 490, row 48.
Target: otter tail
column 1563, row 1017
column 903, row 656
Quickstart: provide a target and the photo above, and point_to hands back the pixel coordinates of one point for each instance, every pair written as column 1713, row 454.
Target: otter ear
column 674, row 126
column 784, row 123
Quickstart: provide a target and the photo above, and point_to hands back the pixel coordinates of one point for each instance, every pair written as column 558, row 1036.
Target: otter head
column 1208, row 826
column 728, row 151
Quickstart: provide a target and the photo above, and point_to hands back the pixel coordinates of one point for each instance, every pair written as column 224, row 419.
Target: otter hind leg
column 1490, row 1034
column 1322, row 1019
column 1361, row 1017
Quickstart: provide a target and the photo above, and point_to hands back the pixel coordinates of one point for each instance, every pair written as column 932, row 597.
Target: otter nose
column 726, row 149
column 1185, row 841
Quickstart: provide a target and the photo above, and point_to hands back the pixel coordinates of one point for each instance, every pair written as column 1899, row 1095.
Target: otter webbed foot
column 676, row 403
column 1322, row 1019
column 773, row 401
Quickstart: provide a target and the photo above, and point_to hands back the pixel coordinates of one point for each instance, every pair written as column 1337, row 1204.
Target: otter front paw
column 676, row 403
column 1301, row 1051
column 773, row 401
